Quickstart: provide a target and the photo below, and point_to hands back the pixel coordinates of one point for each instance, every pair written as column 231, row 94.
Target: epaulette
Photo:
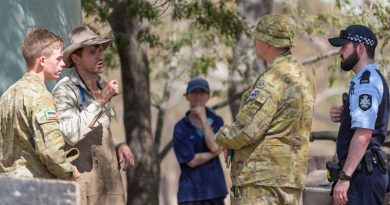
column 365, row 78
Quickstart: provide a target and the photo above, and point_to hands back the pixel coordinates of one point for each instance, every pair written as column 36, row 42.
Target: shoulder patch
column 254, row 94
column 260, row 84
column 365, row 78
column 365, row 102
column 51, row 115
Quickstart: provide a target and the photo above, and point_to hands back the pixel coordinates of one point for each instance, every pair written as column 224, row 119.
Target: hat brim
column 104, row 40
column 277, row 42
column 337, row 41
column 196, row 87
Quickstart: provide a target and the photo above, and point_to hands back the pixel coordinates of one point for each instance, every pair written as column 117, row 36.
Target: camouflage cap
column 275, row 30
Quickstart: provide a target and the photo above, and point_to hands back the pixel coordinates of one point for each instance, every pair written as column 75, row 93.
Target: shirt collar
column 209, row 112
column 283, row 57
column 76, row 79
column 35, row 78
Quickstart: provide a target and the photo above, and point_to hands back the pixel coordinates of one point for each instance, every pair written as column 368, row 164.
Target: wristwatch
column 344, row 176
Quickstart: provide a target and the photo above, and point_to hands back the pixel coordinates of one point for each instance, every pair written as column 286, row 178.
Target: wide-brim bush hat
column 83, row 36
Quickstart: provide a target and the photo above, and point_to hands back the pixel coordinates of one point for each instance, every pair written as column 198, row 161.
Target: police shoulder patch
column 365, row 78
column 254, row 93
column 365, row 101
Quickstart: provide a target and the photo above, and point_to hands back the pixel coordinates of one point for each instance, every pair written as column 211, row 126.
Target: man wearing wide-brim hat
column 84, row 108
column 270, row 135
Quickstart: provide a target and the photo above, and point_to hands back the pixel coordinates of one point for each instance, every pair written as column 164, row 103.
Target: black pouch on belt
column 333, row 171
column 368, row 162
column 383, row 163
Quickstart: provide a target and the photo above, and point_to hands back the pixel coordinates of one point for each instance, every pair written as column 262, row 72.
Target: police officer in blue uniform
column 364, row 117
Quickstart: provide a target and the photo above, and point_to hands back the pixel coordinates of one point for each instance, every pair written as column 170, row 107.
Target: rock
column 33, row 191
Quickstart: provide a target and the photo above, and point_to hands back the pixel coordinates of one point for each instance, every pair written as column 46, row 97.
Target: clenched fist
column 110, row 90
column 336, row 113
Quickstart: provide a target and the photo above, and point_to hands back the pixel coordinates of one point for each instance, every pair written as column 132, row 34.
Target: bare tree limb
column 319, row 57
column 165, row 150
column 226, row 102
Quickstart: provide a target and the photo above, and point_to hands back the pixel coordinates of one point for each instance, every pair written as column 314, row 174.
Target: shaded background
column 19, row 15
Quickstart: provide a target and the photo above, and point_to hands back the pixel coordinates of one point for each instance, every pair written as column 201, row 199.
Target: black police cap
column 355, row 33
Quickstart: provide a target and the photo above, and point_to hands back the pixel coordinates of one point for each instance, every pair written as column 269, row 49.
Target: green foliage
column 143, row 10
column 374, row 14
column 208, row 23
column 208, row 15
column 111, row 57
column 202, row 64
column 146, row 37
column 100, row 8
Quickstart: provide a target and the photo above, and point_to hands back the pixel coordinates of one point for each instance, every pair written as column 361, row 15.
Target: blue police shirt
column 205, row 181
column 365, row 106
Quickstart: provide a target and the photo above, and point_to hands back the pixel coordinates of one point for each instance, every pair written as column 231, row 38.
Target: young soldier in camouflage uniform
column 31, row 144
column 270, row 135
column 83, row 104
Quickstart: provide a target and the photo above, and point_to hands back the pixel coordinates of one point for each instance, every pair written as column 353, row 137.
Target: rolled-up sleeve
column 252, row 122
column 49, row 141
column 75, row 123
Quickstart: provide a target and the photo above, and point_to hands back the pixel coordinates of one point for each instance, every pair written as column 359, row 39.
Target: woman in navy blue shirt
column 202, row 180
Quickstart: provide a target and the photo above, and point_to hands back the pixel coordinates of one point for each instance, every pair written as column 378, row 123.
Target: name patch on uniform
column 254, row 94
column 365, row 78
column 365, row 101
column 51, row 115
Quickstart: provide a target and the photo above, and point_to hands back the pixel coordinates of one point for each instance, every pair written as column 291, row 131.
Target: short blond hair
column 38, row 42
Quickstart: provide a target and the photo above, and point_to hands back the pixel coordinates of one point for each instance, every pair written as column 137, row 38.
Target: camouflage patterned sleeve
column 252, row 121
column 48, row 139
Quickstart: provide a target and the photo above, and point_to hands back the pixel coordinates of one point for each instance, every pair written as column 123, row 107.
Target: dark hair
column 370, row 50
column 78, row 52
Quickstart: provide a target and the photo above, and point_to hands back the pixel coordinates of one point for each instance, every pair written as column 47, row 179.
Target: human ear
column 75, row 58
column 361, row 48
column 41, row 60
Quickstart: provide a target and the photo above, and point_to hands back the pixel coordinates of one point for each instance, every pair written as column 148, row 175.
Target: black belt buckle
column 235, row 192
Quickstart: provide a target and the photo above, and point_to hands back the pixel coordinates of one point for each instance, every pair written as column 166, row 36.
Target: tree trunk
column 244, row 70
column 143, row 178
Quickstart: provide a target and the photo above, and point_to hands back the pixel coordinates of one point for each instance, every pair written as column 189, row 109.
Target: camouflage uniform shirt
column 271, row 133
column 31, row 144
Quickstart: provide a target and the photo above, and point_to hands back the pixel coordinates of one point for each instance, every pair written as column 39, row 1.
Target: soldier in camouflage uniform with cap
column 270, row 135
column 31, row 144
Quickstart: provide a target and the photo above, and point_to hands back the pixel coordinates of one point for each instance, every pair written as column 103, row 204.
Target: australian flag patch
column 51, row 115
column 254, row 94
column 365, row 101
